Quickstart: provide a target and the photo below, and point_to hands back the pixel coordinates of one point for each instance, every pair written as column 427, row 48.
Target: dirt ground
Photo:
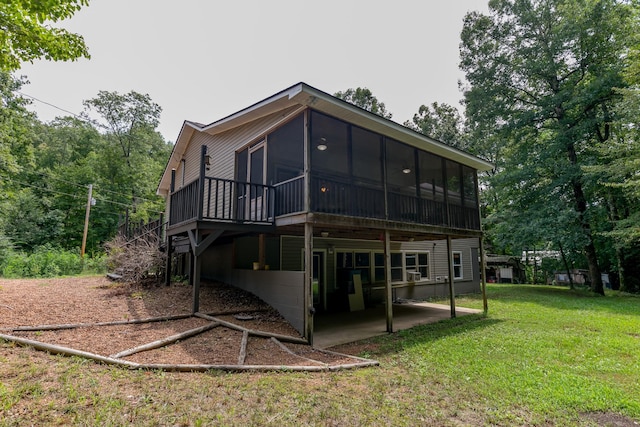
column 84, row 302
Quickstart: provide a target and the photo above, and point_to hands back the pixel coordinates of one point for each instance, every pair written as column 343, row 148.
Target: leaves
column 543, row 77
column 26, row 35
column 364, row 98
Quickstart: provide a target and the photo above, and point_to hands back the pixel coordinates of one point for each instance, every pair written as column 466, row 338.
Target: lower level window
column 457, row 264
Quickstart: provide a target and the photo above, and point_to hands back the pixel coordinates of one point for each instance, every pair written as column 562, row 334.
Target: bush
column 46, row 261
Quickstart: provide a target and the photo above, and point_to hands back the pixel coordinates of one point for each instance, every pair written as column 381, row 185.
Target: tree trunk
column 581, row 208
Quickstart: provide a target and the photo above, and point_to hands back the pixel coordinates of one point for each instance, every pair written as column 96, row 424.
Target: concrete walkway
column 333, row 329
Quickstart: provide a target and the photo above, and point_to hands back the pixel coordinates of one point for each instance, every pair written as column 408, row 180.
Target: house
column 318, row 206
column 504, row 269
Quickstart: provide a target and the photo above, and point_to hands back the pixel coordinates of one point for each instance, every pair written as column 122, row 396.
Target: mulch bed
column 86, row 301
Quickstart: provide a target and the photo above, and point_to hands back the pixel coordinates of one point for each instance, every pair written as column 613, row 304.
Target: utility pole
column 86, row 222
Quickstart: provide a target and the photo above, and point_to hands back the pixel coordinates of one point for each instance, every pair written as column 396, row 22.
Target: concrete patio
column 333, row 329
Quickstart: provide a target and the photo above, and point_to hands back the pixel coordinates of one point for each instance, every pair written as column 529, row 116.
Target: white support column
column 308, row 279
column 387, row 281
column 452, row 294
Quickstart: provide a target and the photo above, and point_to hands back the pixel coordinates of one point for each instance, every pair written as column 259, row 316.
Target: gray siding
column 436, row 286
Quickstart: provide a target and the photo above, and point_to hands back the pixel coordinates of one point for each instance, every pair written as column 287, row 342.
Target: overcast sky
column 202, row 60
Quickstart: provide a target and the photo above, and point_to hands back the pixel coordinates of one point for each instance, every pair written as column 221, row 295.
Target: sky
column 202, row 60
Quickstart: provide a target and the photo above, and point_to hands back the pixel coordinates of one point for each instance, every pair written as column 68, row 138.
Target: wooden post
column 452, row 294
column 387, row 281
column 86, row 222
column 171, row 190
column 308, row 281
column 483, row 274
column 167, row 270
column 196, row 268
column 261, row 251
column 203, row 154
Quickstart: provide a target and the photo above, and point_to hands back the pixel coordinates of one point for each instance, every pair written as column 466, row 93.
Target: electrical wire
column 75, row 196
column 77, row 116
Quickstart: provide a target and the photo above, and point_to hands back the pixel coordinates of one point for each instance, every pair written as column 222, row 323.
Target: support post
column 452, row 294
column 86, row 222
column 308, row 279
column 387, row 281
column 483, row 274
column 196, row 267
column 261, row 251
column 203, row 155
column 167, row 270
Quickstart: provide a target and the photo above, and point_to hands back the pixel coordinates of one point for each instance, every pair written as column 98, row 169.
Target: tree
column 363, row 98
column 440, row 121
column 542, row 79
column 25, row 32
column 134, row 153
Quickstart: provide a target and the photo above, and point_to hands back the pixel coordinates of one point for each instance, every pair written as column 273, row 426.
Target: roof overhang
column 302, row 94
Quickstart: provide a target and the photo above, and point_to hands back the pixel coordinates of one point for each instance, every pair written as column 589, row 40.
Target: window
column 457, row 264
column 469, row 187
column 378, row 266
column 397, row 269
column 285, row 151
column 348, row 261
column 329, row 145
column 417, row 263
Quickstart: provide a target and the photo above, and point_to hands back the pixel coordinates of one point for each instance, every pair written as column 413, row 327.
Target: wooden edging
column 165, row 341
column 55, row 349
column 231, row 325
column 88, row 325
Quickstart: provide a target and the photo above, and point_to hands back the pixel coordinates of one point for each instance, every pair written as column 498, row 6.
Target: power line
column 94, row 186
column 77, row 116
column 76, row 196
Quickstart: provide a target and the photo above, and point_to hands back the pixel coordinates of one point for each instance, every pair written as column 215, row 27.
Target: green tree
column 440, row 121
column 26, row 33
column 542, row 78
column 363, row 98
column 134, row 153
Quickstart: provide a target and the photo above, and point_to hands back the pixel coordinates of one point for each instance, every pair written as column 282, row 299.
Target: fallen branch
column 54, row 349
column 230, row 325
column 88, row 325
column 165, row 341
column 243, row 348
column 6, row 306
column 288, row 350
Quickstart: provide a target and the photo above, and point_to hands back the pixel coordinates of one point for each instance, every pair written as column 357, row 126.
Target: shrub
column 46, row 261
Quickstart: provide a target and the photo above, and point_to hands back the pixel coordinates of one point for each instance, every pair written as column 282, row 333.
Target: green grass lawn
column 542, row 356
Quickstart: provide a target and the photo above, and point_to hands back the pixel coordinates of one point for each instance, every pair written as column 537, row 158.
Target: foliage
column 26, row 33
column 43, row 198
column 543, row 78
column 543, row 356
column 440, row 121
column 364, row 98
column 47, row 262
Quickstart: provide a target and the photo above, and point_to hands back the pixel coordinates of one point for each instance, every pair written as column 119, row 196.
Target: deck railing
column 289, row 196
column 223, row 200
column 241, row 202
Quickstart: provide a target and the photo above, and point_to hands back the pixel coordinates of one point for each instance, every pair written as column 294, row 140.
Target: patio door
column 256, row 176
column 250, row 170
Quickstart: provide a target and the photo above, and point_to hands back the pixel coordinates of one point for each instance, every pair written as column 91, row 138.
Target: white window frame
column 459, row 276
column 418, row 265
